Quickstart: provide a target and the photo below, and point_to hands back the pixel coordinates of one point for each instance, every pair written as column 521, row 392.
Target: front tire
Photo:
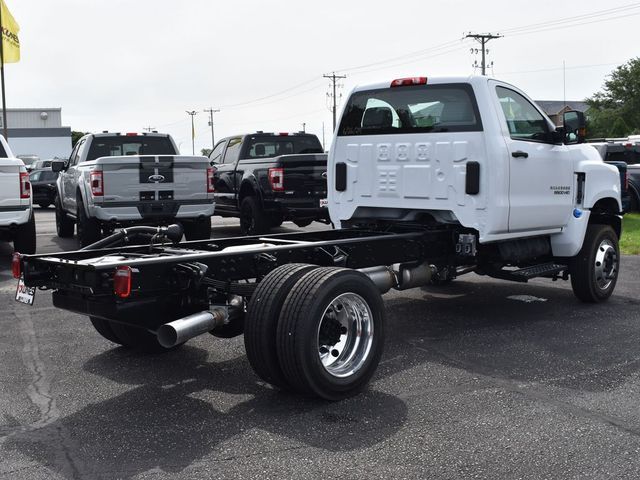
column 64, row 225
column 594, row 270
column 25, row 239
column 89, row 229
column 331, row 333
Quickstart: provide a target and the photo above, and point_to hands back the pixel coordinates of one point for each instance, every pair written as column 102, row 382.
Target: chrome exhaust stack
column 179, row 331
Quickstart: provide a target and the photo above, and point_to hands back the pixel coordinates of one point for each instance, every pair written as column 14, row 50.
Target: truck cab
column 473, row 151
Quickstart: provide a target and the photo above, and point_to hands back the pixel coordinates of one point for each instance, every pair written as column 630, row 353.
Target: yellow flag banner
column 10, row 30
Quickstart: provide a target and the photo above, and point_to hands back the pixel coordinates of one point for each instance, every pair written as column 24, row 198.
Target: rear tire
column 25, row 239
column 103, row 327
column 253, row 220
column 64, row 225
column 261, row 321
column 331, row 333
column 594, row 270
column 197, row 230
column 89, row 229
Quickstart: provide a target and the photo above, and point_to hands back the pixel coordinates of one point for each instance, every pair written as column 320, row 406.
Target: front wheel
column 89, row 229
column 594, row 270
column 64, row 225
column 331, row 333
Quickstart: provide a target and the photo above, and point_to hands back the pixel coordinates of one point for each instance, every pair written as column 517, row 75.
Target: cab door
column 540, row 170
column 224, row 176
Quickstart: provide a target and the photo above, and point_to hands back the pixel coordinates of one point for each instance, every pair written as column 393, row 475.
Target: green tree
column 205, row 151
column 615, row 111
column 75, row 136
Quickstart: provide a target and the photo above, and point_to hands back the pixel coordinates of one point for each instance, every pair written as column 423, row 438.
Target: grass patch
column 630, row 241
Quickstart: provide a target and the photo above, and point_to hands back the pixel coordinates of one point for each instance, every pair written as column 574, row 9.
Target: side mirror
column 58, row 165
column 574, row 127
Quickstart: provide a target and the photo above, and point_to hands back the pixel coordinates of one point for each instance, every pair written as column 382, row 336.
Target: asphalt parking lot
column 480, row 379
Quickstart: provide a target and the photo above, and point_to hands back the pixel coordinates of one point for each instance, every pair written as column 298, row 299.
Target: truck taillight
column 211, row 188
column 16, row 266
column 405, row 82
column 25, row 185
column 122, row 282
column 276, row 179
column 97, row 184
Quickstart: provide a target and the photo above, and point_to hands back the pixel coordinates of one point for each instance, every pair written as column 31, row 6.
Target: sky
column 126, row 65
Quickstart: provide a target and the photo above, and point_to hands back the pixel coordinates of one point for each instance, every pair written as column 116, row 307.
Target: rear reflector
column 25, row 185
column 210, row 185
column 122, row 282
column 276, row 179
column 97, row 184
column 404, row 82
column 16, row 267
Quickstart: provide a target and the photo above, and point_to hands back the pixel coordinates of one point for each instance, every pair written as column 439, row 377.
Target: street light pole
column 192, row 113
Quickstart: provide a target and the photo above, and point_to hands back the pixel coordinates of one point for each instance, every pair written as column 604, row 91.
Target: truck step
column 527, row 273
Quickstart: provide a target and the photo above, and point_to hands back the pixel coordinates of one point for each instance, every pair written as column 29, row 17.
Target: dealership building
column 37, row 131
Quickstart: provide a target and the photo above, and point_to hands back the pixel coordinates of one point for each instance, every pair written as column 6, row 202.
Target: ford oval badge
column 156, row 178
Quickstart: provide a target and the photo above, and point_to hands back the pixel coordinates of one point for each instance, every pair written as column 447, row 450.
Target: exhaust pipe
column 405, row 277
column 179, row 331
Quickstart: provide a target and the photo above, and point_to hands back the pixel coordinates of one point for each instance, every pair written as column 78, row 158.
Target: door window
column 524, row 120
column 233, row 150
column 216, row 155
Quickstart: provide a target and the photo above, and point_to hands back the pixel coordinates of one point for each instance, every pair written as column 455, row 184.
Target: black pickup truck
column 626, row 157
column 267, row 178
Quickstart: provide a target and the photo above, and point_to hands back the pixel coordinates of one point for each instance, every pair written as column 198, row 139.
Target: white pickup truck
column 17, row 223
column 113, row 180
column 428, row 180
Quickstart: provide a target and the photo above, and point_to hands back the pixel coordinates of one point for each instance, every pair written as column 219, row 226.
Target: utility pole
column 334, row 78
column 193, row 113
column 483, row 38
column 211, row 111
column 149, row 129
column 304, row 126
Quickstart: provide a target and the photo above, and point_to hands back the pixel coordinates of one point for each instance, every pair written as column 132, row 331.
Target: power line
column 334, row 78
column 483, row 38
column 233, row 105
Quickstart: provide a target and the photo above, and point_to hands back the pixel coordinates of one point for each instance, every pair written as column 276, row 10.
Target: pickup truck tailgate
column 305, row 174
column 150, row 178
column 9, row 184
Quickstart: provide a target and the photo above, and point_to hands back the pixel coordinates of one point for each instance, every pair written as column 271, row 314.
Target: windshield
column 129, row 145
column 413, row 109
column 271, row 146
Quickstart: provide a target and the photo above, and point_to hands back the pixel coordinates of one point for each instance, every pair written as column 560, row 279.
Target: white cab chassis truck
column 17, row 223
column 113, row 180
column 428, row 179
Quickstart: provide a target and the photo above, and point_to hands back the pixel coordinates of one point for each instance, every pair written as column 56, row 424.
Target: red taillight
column 131, row 134
column 16, row 266
column 25, row 185
column 211, row 188
column 122, row 282
column 404, row 82
column 97, row 184
column 284, row 134
column 276, row 179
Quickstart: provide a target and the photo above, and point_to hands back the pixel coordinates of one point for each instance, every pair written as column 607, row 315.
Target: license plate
column 324, row 202
column 25, row 294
